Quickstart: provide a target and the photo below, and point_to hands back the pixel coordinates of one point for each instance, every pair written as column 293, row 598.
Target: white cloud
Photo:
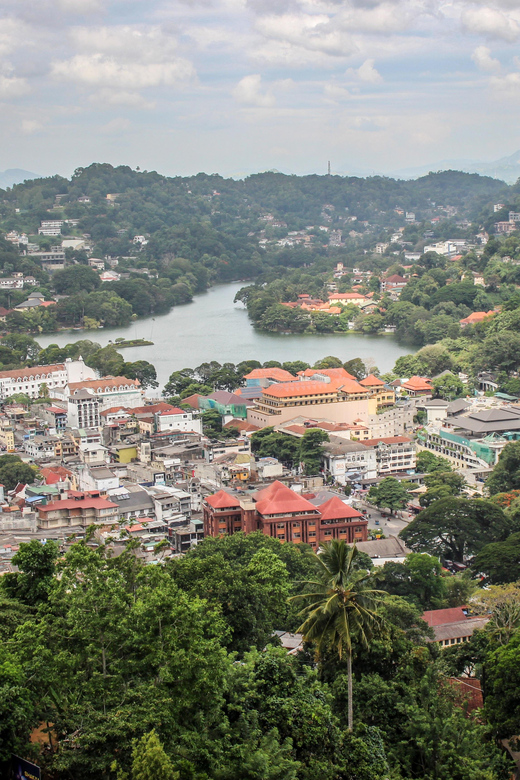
column 491, row 22
column 31, row 126
column 110, row 97
column 80, row 6
column 335, row 92
column 307, row 31
column 249, row 91
column 12, row 86
column 98, row 70
column 484, row 61
column 115, row 126
column 366, row 72
column 127, row 58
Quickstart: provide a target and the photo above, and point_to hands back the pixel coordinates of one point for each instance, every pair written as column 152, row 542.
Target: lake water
column 212, row 327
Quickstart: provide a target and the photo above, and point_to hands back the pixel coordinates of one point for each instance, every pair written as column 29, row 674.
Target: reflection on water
column 212, row 327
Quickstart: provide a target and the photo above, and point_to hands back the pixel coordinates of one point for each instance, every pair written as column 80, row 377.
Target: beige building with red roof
column 283, row 514
column 417, row 386
column 338, row 400
column 351, row 297
column 453, row 626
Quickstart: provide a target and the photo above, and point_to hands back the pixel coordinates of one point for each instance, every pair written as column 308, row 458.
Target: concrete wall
column 342, row 411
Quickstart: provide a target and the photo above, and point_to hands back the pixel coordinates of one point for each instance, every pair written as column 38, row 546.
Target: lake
column 212, row 327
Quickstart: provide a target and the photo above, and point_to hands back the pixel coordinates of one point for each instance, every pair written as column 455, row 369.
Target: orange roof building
column 338, row 400
column 417, row 385
column 371, row 381
column 476, row 317
column 285, row 515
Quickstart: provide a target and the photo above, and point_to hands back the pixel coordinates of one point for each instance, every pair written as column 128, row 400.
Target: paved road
column 389, row 525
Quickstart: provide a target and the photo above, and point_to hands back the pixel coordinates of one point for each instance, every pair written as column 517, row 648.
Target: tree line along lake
column 213, row 327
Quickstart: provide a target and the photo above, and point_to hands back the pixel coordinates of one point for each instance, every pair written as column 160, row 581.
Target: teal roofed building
column 226, row 404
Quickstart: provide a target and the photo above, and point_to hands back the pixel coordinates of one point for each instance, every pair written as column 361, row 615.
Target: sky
column 240, row 86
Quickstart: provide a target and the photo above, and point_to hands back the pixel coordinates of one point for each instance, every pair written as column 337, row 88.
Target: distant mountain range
column 15, row 176
column 507, row 168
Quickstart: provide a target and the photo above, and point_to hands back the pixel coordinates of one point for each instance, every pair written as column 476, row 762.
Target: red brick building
column 282, row 513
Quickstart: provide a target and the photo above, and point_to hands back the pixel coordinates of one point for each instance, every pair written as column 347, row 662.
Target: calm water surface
column 212, row 327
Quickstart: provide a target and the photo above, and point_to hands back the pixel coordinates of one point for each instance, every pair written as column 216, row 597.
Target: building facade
column 283, row 514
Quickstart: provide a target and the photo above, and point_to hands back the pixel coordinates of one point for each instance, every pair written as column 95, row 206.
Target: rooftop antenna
column 328, row 168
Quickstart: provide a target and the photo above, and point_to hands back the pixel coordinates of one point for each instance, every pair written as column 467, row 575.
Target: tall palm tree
column 340, row 605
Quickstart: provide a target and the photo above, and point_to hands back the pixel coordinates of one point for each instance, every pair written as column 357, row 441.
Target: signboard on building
column 24, row 770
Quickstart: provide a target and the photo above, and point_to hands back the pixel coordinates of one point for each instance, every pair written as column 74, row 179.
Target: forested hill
column 174, row 237
column 148, row 201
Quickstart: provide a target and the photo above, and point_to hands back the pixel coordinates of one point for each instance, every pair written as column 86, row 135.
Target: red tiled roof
column 298, row 389
column 442, row 617
column 192, row 400
column 270, row 373
column 222, row 500
column 172, row 410
column 26, row 373
column 335, row 373
column 335, row 509
column 395, row 279
column 114, row 410
column 241, row 425
column 101, row 384
column 55, row 474
column 476, row 316
column 386, row 440
column 371, row 381
column 345, row 296
column 162, row 406
column 417, row 383
column 72, row 503
column 278, row 499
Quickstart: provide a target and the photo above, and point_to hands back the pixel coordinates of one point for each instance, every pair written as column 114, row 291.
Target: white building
column 343, row 460
column 83, row 410
column 177, row 420
column 30, row 380
column 10, row 283
column 110, row 391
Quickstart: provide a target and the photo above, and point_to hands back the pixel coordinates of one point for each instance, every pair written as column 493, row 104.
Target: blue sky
column 238, row 86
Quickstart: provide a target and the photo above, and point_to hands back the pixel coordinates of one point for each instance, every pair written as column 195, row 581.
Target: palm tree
column 340, row 605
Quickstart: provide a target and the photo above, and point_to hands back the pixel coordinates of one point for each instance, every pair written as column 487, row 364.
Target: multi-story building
column 343, row 400
column 83, row 410
column 394, row 454
column 283, row 514
column 110, row 391
column 41, row 447
column 29, row 381
column 396, row 421
column 343, row 460
column 77, row 509
column 384, row 395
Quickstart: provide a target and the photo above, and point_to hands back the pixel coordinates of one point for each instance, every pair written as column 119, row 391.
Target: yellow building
column 7, row 439
column 383, row 395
